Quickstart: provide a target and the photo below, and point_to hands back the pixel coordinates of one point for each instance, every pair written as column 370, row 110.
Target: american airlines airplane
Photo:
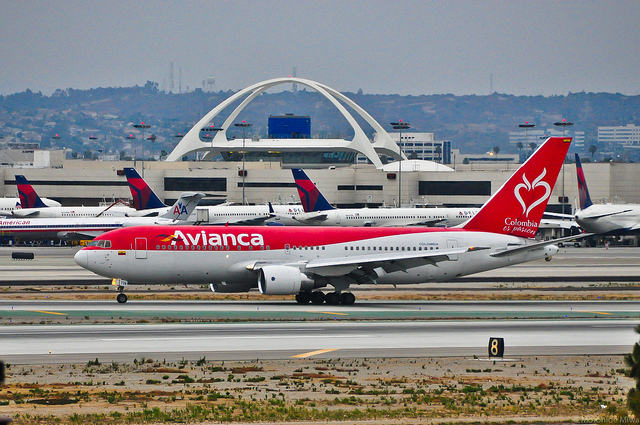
column 73, row 228
column 318, row 211
column 147, row 203
column 35, row 208
column 607, row 219
column 281, row 260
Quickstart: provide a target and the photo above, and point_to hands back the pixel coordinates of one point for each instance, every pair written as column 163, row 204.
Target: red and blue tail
column 583, row 192
column 28, row 196
column 143, row 196
column 310, row 196
column 517, row 207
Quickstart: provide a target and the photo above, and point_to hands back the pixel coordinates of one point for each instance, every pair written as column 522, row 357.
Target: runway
column 340, row 339
column 77, row 330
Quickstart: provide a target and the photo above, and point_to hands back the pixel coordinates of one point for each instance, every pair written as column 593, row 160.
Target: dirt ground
column 557, row 389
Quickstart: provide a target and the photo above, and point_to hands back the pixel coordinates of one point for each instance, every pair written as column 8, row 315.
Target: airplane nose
column 82, row 258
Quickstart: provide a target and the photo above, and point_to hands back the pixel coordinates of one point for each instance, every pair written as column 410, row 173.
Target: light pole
column 132, row 137
column 564, row 124
column 214, row 130
column 526, row 127
column 400, row 126
column 143, row 127
column 244, row 126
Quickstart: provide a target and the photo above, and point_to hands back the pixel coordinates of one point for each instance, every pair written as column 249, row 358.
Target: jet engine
column 282, row 280
column 226, row 288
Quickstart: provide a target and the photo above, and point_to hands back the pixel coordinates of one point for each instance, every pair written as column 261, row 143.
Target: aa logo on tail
column 180, row 209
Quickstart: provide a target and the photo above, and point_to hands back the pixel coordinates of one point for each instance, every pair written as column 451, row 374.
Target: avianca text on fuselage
column 214, row 239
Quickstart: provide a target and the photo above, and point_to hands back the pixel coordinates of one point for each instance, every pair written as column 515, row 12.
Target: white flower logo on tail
column 529, row 187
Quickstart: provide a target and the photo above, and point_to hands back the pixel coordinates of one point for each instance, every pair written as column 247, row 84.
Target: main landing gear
column 331, row 298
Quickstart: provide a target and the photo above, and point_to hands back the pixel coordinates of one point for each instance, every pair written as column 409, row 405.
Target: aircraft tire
column 317, row 297
column 121, row 298
column 333, row 298
column 303, row 298
column 347, row 298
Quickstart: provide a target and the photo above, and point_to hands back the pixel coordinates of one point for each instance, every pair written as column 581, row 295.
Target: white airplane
column 318, row 211
column 281, row 260
column 7, row 205
column 72, row 228
column 606, row 219
column 33, row 207
column 147, row 203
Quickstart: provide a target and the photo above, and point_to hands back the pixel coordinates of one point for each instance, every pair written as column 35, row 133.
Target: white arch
column 383, row 144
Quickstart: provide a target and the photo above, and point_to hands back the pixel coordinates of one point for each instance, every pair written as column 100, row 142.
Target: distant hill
column 474, row 124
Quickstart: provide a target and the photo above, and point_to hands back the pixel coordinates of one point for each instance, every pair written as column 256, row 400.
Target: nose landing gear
column 120, row 285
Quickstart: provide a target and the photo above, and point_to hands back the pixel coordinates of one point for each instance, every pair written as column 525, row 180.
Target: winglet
column 517, row 207
column 310, row 196
column 143, row 196
column 583, row 192
column 28, row 196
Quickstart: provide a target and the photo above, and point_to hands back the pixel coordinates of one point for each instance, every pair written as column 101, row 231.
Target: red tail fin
column 517, row 207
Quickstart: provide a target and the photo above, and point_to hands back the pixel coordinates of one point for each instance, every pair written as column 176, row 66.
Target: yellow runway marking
column 313, row 353
column 47, row 312
column 329, row 312
column 593, row 312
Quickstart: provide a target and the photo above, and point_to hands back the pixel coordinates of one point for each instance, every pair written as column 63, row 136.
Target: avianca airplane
column 148, row 204
column 607, row 219
column 318, row 211
column 299, row 261
column 33, row 207
column 72, row 228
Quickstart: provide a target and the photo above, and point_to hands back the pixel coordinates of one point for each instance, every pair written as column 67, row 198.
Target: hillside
column 474, row 124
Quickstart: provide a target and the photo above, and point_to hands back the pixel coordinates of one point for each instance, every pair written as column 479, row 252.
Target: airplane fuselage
column 610, row 218
column 233, row 255
column 388, row 217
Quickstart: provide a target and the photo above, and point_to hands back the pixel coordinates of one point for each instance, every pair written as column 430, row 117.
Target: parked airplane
column 7, row 205
column 609, row 219
column 148, row 204
column 318, row 211
column 33, row 207
column 284, row 260
column 72, row 228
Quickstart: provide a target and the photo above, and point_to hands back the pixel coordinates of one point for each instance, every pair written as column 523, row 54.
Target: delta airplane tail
column 28, row 196
column 583, row 191
column 517, row 207
column 310, row 196
column 144, row 198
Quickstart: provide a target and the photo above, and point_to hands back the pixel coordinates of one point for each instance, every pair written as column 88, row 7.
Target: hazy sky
column 383, row 47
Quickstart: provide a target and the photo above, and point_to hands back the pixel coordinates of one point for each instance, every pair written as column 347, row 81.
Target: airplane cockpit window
column 100, row 243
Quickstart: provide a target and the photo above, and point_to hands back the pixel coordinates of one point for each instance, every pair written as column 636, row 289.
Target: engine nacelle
column 282, row 280
column 226, row 288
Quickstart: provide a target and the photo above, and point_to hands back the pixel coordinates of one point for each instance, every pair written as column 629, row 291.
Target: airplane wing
column 25, row 212
column 78, row 236
column 593, row 217
column 368, row 267
column 539, row 245
column 311, row 217
column 557, row 224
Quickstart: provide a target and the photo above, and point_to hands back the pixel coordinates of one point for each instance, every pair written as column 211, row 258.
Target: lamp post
column 132, row 137
column 143, row 127
column 213, row 129
column 244, row 126
column 564, row 124
column 400, row 126
column 526, row 127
